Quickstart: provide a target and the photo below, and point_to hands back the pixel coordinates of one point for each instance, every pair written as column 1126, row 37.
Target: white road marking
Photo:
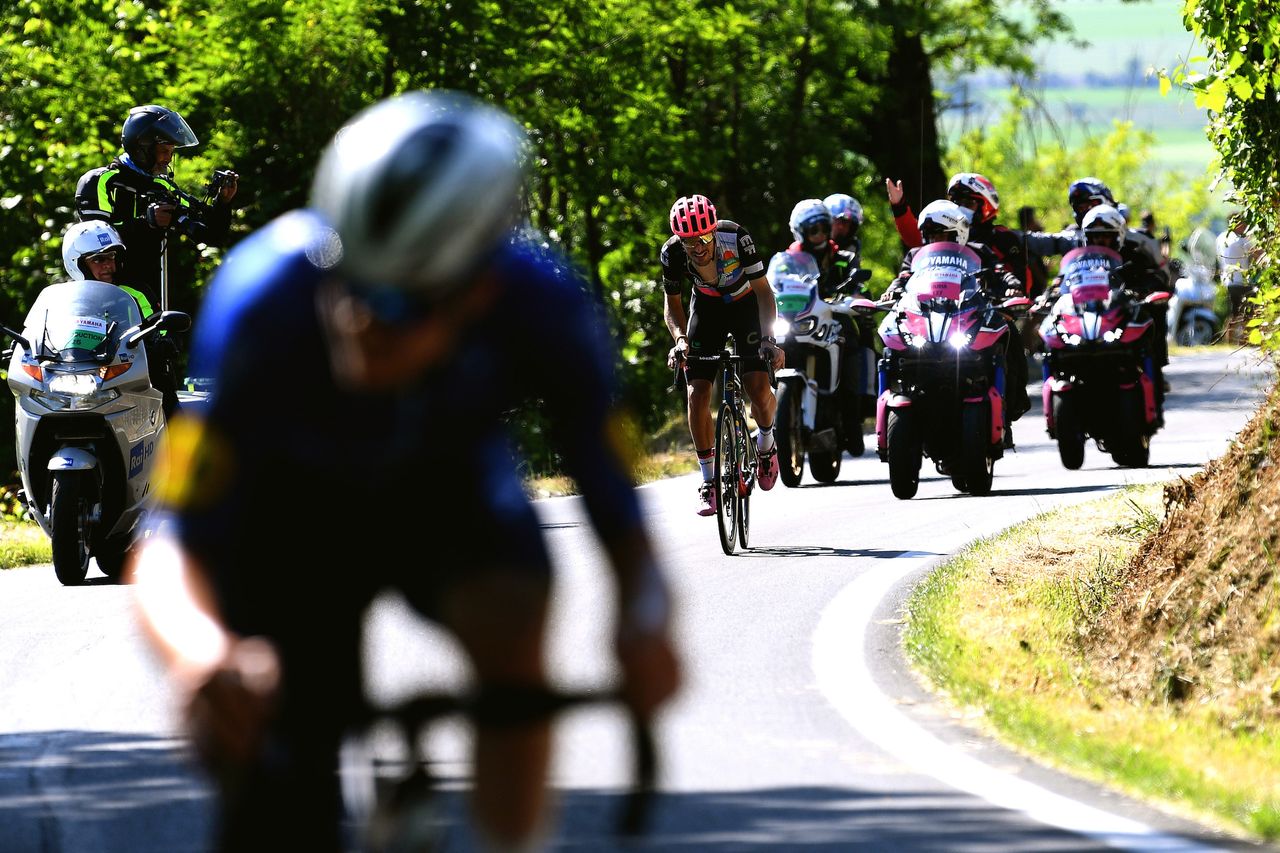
column 840, row 663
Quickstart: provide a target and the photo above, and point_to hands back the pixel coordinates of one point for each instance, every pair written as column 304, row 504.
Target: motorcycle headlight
column 1112, row 335
column 805, row 325
column 960, row 340
column 75, row 391
column 781, row 328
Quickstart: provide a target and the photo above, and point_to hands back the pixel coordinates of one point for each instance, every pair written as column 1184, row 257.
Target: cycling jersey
column 736, row 264
column 120, row 194
column 289, row 451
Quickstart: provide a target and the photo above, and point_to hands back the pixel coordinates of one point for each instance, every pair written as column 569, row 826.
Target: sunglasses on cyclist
column 389, row 306
column 700, row 240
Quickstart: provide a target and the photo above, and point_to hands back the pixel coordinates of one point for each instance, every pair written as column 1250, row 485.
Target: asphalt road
column 800, row 726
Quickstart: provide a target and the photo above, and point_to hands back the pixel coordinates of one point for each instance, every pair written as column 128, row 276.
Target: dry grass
column 1135, row 640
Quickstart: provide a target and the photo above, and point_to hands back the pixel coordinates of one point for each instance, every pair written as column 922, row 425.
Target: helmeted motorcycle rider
column 944, row 220
column 811, row 223
column 137, row 194
column 1103, row 225
column 93, row 250
column 1084, row 194
column 730, row 295
column 846, row 221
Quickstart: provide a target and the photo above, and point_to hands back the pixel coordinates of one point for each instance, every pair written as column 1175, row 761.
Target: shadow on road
column 825, row 551
column 114, row 792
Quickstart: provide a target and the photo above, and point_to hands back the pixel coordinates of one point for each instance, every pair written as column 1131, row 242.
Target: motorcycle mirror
column 860, row 276
column 174, row 321
column 862, row 305
column 17, row 339
column 1016, row 305
column 1159, row 297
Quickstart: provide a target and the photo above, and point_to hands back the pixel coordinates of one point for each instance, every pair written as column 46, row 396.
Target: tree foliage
column 629, row 104
column 1238, row 81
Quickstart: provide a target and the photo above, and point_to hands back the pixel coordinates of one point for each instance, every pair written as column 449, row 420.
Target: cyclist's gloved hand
column 227, row 708
column 650, row 668
column 772, row 353
column 678, row 352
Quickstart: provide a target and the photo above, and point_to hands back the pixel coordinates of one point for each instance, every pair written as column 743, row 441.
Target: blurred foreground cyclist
column 363, row 353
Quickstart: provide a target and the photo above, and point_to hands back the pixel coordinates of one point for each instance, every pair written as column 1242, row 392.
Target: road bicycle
column 395, row 803
column 735, row 462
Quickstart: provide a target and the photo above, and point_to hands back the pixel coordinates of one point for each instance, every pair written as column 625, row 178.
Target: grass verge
column 23, row 543
column 1000, row 631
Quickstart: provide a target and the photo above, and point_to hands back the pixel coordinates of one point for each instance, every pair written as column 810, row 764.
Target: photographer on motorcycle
column 812, row 226
column 137, row 194
column 1103, row 225
column 93, row 250
column 730, row 295
column 944, row 220
column 406, row 312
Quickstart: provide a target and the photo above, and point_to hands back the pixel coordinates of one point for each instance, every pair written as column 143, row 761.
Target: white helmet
column 806, row 214
column 844, row 206
column 87, row 238
column 943, row 215
column 1104, row 219
column 419, row 187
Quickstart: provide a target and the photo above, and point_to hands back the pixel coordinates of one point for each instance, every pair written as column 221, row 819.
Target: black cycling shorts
column 710, row 321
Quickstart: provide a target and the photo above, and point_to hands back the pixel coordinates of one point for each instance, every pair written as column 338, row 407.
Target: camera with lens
column 218, row 181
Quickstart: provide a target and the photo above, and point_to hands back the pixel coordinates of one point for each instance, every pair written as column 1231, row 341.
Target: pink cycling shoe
column 707, row 498
column 767, row 468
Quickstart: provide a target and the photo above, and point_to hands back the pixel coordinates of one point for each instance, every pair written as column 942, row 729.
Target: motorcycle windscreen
column 77, row 319
column 1087, row 274
column 946, row 270
column 793, row 277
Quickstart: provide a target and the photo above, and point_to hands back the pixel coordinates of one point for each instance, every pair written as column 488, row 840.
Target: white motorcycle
column 89, row 422
column 811, row 419
column 1193, row 316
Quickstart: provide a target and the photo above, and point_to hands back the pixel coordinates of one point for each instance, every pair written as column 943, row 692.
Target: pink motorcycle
column 1098, row 376
column 942, row 377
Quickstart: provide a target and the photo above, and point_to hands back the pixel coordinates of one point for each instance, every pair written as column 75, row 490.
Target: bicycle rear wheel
column 747, row 477
column 726, row 479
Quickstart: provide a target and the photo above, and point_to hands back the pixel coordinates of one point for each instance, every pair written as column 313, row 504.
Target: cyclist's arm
column 226, row 685
column 674, row 315
column 766, row 303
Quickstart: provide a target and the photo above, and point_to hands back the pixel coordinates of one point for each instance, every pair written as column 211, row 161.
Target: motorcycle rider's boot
column 707, row 498
column 1008, row 437
column 767, row 468
column 855, row 442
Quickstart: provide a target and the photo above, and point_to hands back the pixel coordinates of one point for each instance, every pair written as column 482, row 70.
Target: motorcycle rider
column 93, row 250
column 812, row 227
column 408, row 313
column 1104, row 225
column 137, row 194
column 730, row 295
column 1083, row 194
column 945, row 220
column 846, row 220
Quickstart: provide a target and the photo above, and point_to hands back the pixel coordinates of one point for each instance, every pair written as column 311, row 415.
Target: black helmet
column 1085, row 193
column 149, row 123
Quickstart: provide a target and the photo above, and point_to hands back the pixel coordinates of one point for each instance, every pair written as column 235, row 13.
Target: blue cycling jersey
column 281, row 451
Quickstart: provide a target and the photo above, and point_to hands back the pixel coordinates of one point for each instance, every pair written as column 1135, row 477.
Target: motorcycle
column 1193, row 320
column 942, row 377
column 817, row 416
column 1098, row 373
column 89, row 421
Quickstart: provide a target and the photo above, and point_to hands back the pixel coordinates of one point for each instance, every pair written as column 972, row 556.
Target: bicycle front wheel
column 727, row 479
column 746, row 478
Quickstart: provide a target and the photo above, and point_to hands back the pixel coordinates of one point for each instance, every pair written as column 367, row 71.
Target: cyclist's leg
column 490, row 587
column 706, row 337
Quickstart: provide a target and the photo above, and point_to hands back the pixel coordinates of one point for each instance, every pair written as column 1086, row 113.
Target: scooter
column 942, row 377
column 89, row 422
column 1099, row 380
column 1193, row 322
column 817, row 416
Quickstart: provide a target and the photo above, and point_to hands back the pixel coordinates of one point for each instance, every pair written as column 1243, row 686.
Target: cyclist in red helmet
column 730, row 295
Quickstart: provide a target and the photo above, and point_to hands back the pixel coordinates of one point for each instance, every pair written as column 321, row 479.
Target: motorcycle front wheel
column 904, row 451
column 788, row 435
column 72, row 500
column 1197, row 332
column 975, row 448
column 1066, row 425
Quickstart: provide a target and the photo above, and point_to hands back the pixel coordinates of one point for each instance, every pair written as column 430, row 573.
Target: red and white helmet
column 970, row 185
column 692, row 215
column 946, row 217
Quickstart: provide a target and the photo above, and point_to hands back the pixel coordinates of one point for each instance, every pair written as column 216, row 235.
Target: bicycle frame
column 735, row 465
